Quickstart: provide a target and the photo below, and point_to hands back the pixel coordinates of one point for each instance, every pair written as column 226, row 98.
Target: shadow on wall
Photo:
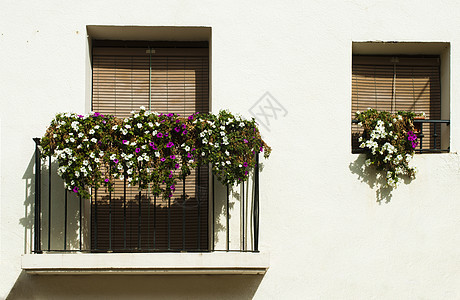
column 374, row 179
column 52, row 226
column 135, row 286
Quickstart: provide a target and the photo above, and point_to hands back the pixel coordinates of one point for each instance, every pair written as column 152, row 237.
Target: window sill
column 146, row 263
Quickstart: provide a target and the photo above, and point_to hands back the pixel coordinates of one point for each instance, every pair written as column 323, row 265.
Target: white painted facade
column 325, row 233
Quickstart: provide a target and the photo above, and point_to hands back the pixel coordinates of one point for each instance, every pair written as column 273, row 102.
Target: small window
column 400, row 83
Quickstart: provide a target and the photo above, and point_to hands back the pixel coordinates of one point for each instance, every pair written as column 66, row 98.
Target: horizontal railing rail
column 69, row 220
column 421, row 135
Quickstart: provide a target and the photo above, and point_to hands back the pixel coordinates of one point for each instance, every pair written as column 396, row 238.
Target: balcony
column 213, row 231
column 432, row 135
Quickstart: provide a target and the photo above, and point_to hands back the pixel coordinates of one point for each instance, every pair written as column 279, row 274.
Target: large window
column 400, row 82
column 166, row 77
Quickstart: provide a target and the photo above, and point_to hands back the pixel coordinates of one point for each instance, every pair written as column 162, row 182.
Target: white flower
column 223, row 164
column 241, row 124
column 119, row 167
column 360, row 124
column 115, row 127
column 54, row 135
column 113, row 156
column 130, row 171
column 101, row 153
column 80, row 135
column 205, row 141
column 202, row 134
column 94, row 140
column 77, row 174
column 91, row 131
column 203, row 154
column 139, row 125
column 227, row 162
column 358, row 112
column 222, row 127
column 142, row 108
column 96, row 127
column 222, row 133
column 85, row 162
column 92, row 155
column 157, row 154
column 72, row 139
column 367, row 162
column 187, row 148
column 150, row 124
column 227, row 153
column 96, row 159
column 124, row 131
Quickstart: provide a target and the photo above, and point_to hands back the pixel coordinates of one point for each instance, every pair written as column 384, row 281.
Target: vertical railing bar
column 81, row 225
column 169, row 223
column 183, row 215
column 139, row 220
column 49, row 202
column 243, row 220
column 154, row 220
column 95, row 219
column 228, row 219
column 148, row 217
column 124, row 212
column 256, row 205
column 37, row 240
column 199, row 208
column 213, row 214
column 435, row 136
column 65, row 221
column 421, row 137
column 110, row 220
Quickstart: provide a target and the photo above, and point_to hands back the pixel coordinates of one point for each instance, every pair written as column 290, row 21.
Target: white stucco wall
column 327, row 235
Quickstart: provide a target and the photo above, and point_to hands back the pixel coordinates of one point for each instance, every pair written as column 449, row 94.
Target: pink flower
column 245, row 141
column 115, row 161
column 124, row 141
column 245, row 164
column 177, row 166
column 184, row 132
column 75, row 189
column 106, row 180
column 169, row 145
column 138, row 150
column 159, row 134
column 163, row 159
column 172, row 157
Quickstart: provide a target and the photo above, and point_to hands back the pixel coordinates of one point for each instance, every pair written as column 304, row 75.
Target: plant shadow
column 373, row 178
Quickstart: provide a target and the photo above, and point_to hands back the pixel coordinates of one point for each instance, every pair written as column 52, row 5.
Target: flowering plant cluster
column 389, row 142
column 150, row 149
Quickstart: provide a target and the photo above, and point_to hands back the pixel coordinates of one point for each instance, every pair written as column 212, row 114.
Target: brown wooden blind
column 168, row 80
column 397, row 83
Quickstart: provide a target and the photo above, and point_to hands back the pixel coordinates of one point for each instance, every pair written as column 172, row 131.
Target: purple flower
column 177, row 166
column 138, row 150
column 104, row 121
column 154, row 147
column 184, row 132
column 80, row 116
column 245, row 141
column 172, row 187
column 115, row 161
column 151, row 144
column 190, row 118
column 170, row 115
column 166, row 134
column 261, row 149
column 169, row 145
column 177, row 129
column 189, row 155
column 170, row 195
column 124, row 141
column 159, row 134
column 245, row 164
column 75, row 189
column 163, row 159
column 246, row 173
column 106, row 180
column 172, row 157
column 184, row 126
column 171, row 175
column 193, row 149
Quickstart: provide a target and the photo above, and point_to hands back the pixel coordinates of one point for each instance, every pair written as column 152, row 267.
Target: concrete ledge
column 146, row 263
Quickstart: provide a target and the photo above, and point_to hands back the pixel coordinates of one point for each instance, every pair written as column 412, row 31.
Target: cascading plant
column 150, row 149
column 389, row 142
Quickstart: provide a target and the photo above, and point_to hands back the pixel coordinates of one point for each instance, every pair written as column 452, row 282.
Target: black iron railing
column 425, row 129
column 130, row 221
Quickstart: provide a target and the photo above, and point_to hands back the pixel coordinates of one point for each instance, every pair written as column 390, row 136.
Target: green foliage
column 150, row 148
column 388, row 141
